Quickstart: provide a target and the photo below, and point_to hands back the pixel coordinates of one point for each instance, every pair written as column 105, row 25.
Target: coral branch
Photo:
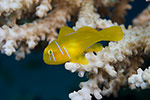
column 23, row 23
column 19, row 39
column 114, row 64
column 8, row 6
column 141, row 79
column 43, row 8
column 143, row 18
column 119, row 11
column 89, row 17
column 116, row 59
column 12, row 38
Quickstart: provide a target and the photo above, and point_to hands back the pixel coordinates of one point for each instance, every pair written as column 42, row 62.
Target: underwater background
column 32, row 79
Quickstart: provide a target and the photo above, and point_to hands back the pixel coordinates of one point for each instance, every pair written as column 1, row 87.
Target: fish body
column 71, row 45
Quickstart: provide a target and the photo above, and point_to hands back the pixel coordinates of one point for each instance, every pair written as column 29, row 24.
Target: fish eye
column 49, row 52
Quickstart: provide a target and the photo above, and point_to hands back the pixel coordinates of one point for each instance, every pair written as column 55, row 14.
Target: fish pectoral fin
column 64, row 31
column 95, row 47
column 81, row 59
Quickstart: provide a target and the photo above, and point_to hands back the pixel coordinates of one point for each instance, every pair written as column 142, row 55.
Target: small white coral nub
column 89, row 87
column 140, row 80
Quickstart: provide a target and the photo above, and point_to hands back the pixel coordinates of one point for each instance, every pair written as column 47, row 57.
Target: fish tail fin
column 113, row 33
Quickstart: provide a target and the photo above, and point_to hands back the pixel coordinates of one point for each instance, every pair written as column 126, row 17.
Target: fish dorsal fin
column 64, row 31
column 87, row 29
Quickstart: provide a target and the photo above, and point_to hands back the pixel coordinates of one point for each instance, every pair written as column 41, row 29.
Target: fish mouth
column 45, row 58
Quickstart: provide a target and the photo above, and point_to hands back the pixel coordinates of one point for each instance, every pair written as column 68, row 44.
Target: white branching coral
column 19, row 6
column 88, row 17
column 19, row 39
column 113, row 65
column 8, row 6
column 95, row 22
column 89, row 87
column 141, row 79
column 32, row 33
column 43, row 8
column 116, row 59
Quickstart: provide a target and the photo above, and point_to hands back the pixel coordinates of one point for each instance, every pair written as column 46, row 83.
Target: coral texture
column 140, row 80
column 24, row 23
column 143, row 18
column 19, row 39
column 110, row 68
column 114, row 64
column 118, row 8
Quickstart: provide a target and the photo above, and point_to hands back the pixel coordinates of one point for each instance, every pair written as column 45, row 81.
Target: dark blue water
column 32, row 79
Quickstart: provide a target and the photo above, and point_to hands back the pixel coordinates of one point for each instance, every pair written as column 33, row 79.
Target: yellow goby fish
column 71, row 45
